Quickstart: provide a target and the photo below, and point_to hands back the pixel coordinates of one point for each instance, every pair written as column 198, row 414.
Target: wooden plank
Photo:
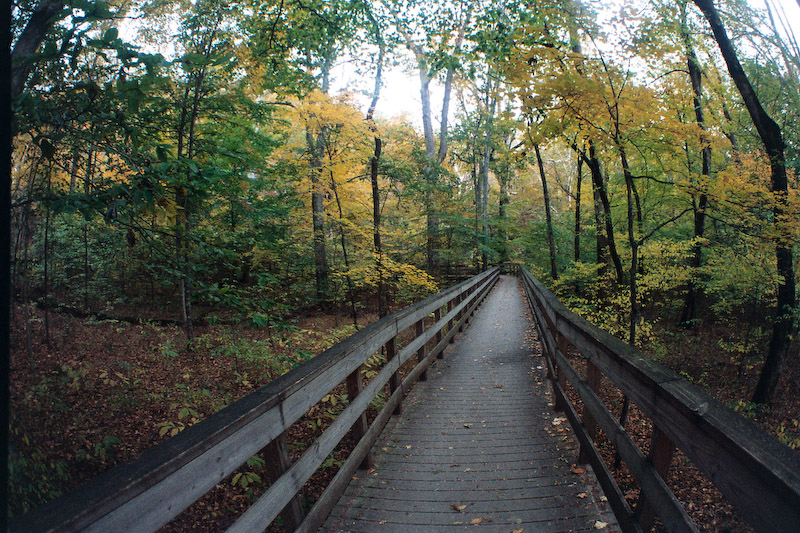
column 330, row 496
column 660, row 456
column 738, row 457
column 669, row 508
column 148, row 492
column 419, row 328
column 264, row 510
column 437, row 316
column 593, row 376
column 277, row 463
column 359, row 429
column 619, row 505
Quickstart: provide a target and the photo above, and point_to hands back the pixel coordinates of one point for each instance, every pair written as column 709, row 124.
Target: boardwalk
column 478, row 444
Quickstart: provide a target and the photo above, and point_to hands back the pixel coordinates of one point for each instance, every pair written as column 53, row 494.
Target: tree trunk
column 550, row 241
column 695, row 75
column 483, row 174
column 603, row 215
column 771, row 136
column 578, row 211
column 350, row 288
column 374, row 167
column 22, row 57
column 321, row 268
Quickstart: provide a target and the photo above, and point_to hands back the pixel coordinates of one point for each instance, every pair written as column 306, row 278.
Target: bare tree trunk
column 550, row 241
column 771, row 136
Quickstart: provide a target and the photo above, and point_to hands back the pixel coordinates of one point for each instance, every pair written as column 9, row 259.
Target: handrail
column 148, row 492
column 752, row 469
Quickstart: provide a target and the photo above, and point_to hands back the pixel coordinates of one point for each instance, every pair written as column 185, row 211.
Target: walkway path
column 478, row 444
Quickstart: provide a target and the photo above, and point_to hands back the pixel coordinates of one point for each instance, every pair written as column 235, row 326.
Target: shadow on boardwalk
column 478, row 444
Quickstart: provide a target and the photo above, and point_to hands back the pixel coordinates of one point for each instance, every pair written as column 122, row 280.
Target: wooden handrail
column 148, row 492
column 752, row 469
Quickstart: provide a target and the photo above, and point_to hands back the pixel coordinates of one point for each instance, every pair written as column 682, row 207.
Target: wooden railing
column 752, row 469
column 154, row 488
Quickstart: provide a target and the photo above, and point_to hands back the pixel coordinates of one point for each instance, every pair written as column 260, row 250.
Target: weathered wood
column 146, row 493
column 593, row 377
column 437, row 316
column 669, row 508
column 739, row 458
column 277, row 463
column 317, row 515
column 660, row 456
column 619, row 505
column 359, row 429
column 419, row 328
column 561, row 377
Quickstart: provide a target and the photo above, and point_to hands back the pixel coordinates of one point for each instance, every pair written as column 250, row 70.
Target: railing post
column 277, row 463
column 437, row 316
column 593, row 376
column 360, row 426
column 419, row 329
column 561, row 377
column 451, row 321
column 660, row 456
column 394, row 379
column 461, row 298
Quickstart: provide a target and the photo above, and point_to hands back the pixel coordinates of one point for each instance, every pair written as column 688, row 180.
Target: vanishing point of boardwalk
column 478, row 444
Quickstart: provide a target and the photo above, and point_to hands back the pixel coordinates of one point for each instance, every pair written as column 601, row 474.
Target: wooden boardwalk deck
column 478, row 444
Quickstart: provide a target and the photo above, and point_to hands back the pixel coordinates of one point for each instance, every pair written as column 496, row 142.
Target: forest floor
column 103, row 391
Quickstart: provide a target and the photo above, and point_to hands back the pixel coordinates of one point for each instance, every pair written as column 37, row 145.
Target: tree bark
column 35, row 31
column 605, row 236
column 548, row 217
column 771, row 136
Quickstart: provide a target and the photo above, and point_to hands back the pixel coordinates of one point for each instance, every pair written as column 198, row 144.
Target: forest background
column 197, row 202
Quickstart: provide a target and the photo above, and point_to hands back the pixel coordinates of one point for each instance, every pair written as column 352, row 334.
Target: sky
column 400, row 96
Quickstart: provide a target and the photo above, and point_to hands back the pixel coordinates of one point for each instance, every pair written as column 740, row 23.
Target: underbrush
column 104, row 391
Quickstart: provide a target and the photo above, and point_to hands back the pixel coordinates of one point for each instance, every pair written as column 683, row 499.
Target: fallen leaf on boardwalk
column 467, row 469
column 406, row 456
column 384, row 449
column 519, row 530
column 408, row 447
column 600, row 525
column 382, row 522
column 559, row 421
column 476, row 521
column 577, row 470
column 458, row 507
column 603, row 499
column 498, row 385
column 371, row 470
column 467, row 426
column 582, row 495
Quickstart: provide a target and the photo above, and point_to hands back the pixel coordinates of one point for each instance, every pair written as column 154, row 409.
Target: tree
column 771, row 136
